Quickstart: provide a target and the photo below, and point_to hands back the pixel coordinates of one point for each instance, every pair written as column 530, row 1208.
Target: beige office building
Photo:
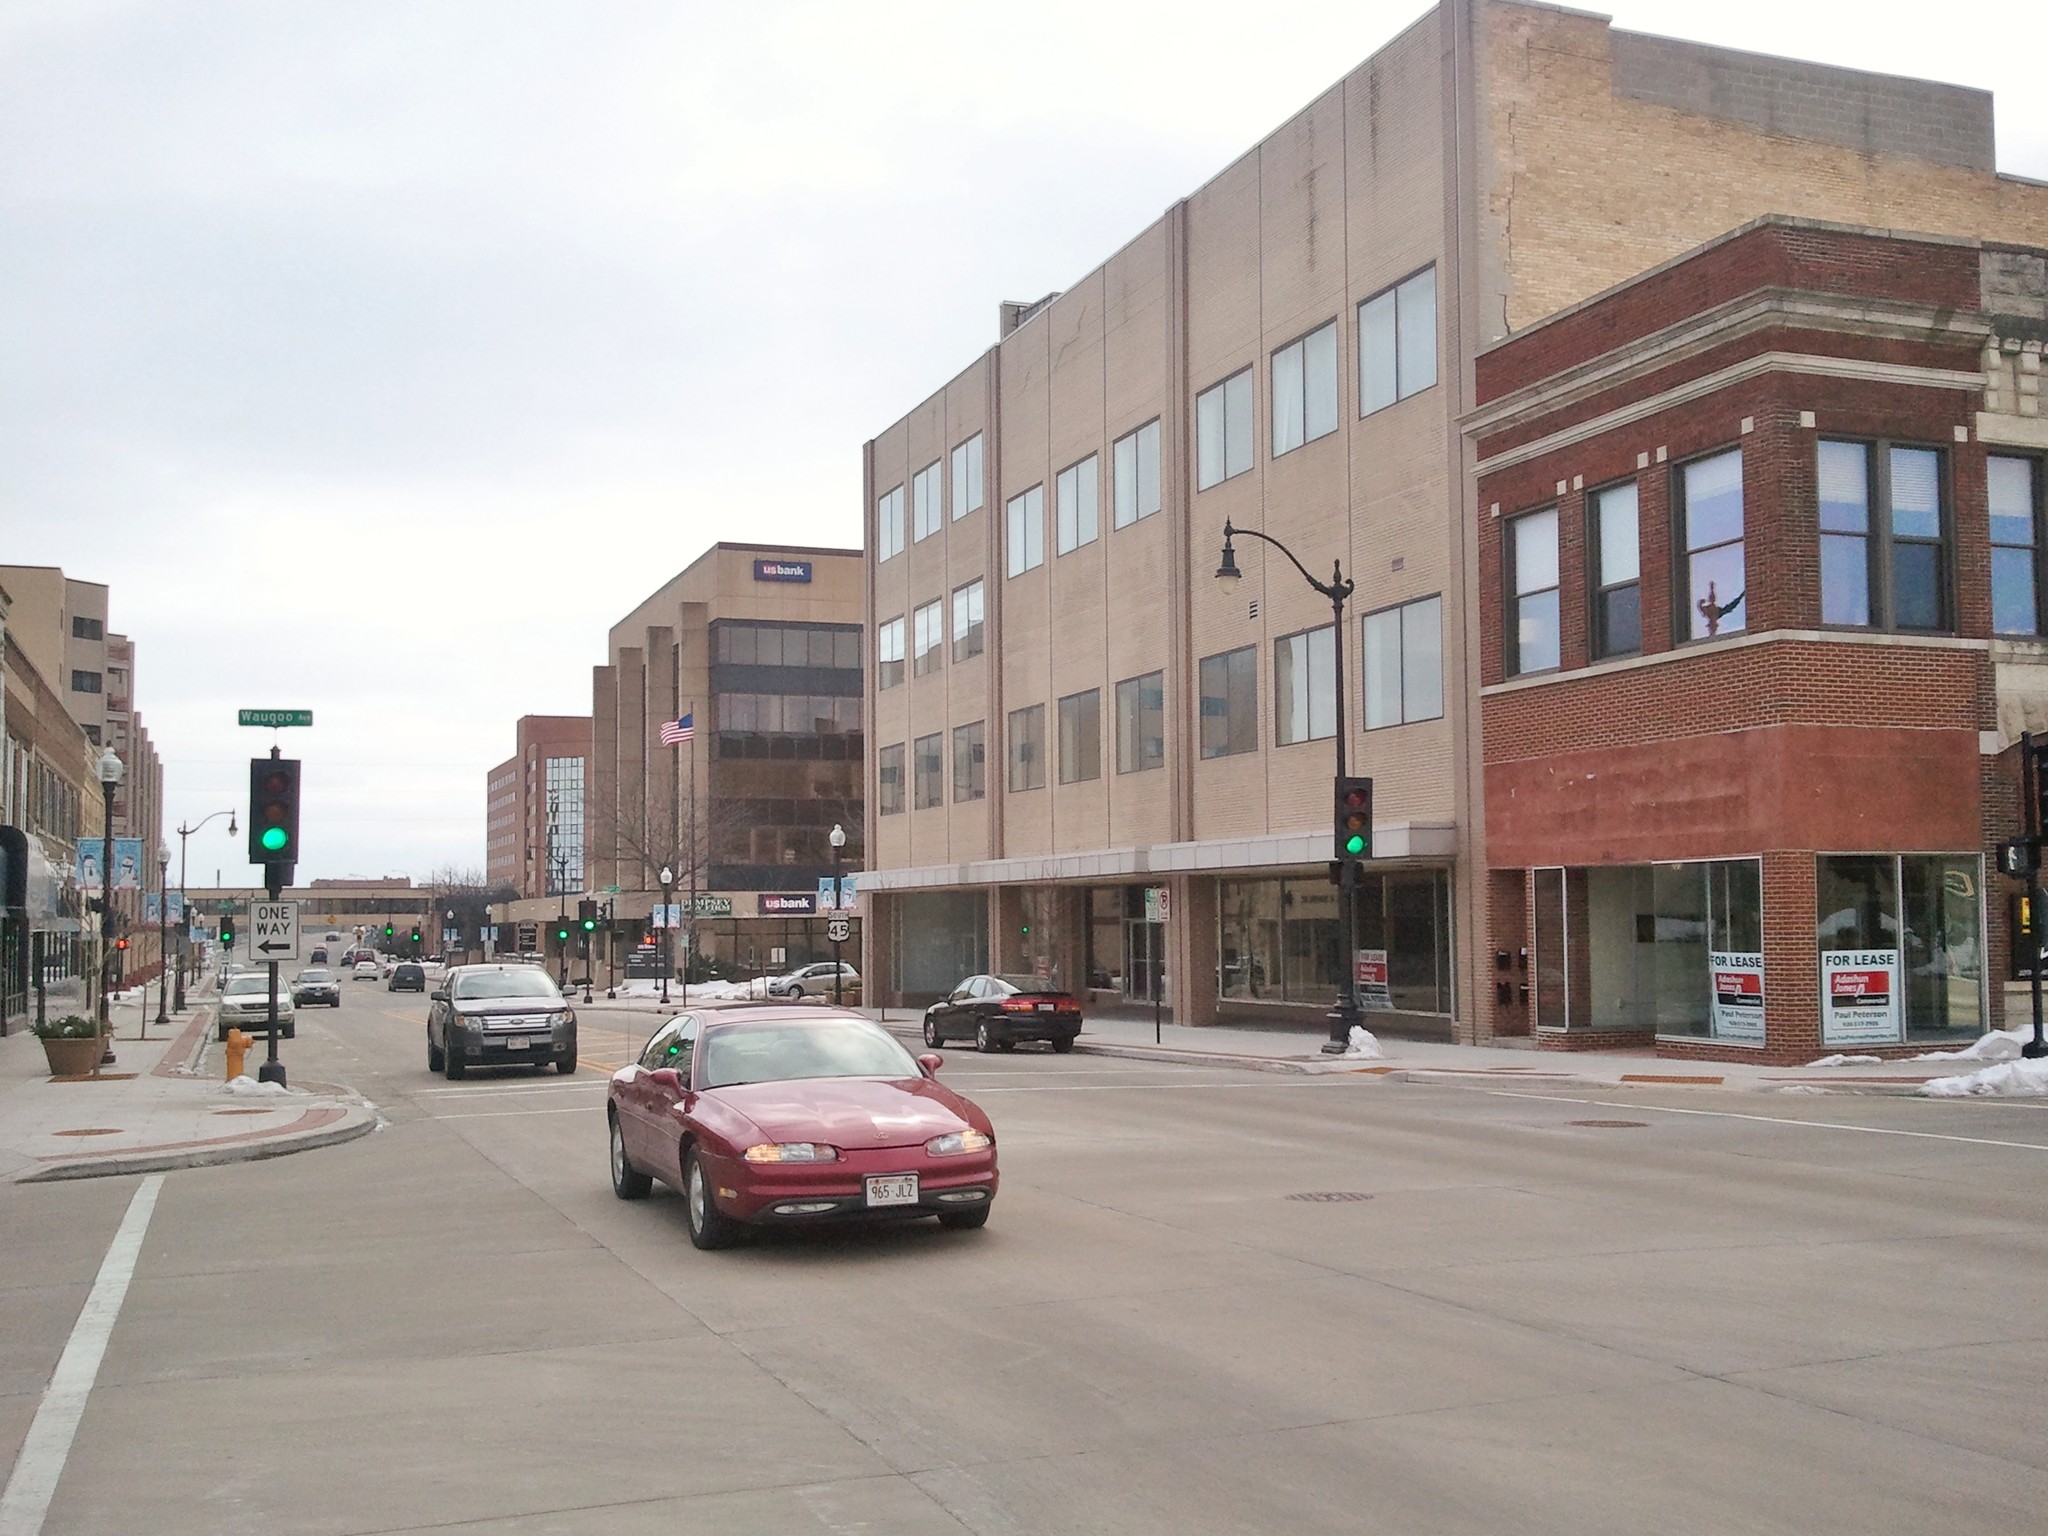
column 1091, row 760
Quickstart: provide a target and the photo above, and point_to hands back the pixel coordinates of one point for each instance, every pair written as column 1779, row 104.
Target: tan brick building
column 1068, row 714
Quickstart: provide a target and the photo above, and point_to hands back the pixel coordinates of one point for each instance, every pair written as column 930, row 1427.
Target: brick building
column 535, row 809
column 1761, row 615
column 1089, row 760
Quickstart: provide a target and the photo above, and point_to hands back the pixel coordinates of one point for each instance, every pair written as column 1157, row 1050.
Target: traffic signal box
column 274, row 810
column 227, row 933
column 1354, row 822
column 562, row 930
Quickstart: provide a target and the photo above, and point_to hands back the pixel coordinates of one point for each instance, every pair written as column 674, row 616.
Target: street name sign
column 274, row 930
column 274, row 718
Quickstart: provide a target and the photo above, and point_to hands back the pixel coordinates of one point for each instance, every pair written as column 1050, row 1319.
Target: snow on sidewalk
column 2005, row 1080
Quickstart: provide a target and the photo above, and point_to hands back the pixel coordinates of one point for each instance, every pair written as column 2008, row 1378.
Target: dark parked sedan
column 998, row 1011
column 407, row 977
column 499, row 1016
column 780, row 1116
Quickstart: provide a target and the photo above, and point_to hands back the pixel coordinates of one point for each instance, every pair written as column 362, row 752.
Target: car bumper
column 795, row 1194
column 1039, row 1026
column 494, row 1047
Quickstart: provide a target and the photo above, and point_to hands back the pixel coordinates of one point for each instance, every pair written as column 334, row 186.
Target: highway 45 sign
column 274, row 930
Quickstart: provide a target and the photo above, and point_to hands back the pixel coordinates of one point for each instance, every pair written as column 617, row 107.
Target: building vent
column 1012, row 313
column 1252, row 609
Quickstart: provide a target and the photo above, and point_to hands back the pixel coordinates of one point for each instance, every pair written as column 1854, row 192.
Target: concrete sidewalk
column 163, row 1104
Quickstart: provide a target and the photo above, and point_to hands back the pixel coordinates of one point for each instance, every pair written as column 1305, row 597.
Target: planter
column 73, row 1058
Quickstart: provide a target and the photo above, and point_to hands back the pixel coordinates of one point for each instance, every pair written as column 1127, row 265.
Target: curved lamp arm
column 1336, row 588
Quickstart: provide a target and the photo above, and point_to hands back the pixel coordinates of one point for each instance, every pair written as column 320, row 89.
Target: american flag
column 675, row 732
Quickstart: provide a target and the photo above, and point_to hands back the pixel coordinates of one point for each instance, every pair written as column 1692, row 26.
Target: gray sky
column 381, row 355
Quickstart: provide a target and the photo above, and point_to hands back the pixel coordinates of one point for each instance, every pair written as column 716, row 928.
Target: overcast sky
column 381, row 355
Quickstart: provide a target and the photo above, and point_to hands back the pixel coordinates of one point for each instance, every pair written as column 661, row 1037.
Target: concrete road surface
column 1665, row 1310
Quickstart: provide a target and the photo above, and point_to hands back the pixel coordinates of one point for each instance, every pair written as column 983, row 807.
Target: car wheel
column 1006, row 1045
column 435, row 1060
column 965, row 1221
column 795, row 994
column 628, row 1182
column 709, row 1226
column 1063, row 1043
column 932, row 1037
column 455, row 1068
column 291, row 1031
column 984, row 1039
column 566, row 1066
column 224, row 1033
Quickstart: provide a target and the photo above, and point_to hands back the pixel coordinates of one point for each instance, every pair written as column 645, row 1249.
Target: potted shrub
column 72, row 1044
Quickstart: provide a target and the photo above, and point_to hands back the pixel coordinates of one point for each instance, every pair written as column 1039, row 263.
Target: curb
column 359, row 1121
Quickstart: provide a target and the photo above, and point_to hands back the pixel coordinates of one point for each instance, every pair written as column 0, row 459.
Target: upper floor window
column 85, row 682
column 889, row 653
column 1223, row 430
column 925, row 510
column 92, row 734
column 927, row 635
column 1532, row 585
column 1305, row 390
column 1024, row 531
column 83, row 628
column 1136, row 467
column 1305, row 686
column 1397, row 342
column 889, row 781
column 785, row 645
column 1080, row 507
column 1712, row 582
column 1027, row 748
column 1081, row 736
column 1617, row 572
column 970, row 762
column 889, row 524
column 1230, row 702
column 2015, row 494
column 1883, row 557
column 967, row 620
column 928, row 770
column 1141, row 723
column 967, row 477
column 1404, row 664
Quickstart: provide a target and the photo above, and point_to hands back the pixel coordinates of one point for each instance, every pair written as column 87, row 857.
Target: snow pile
column 1999, row 1045
column 1802, row 1088
column 2006, row 1080
column 1363, row 1046
column 246, row 1087
column 1848, row 1061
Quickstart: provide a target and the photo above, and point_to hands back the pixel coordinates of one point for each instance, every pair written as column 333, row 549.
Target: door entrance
column 1144, row 959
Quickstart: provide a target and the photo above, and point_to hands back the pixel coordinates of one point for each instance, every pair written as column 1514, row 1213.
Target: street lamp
column 446, row 929
column 183, row 833
column 109, row 770
column 163, row 937
column 483, row 937
column 668, row 879
column 838, row 901
column 1338, row 590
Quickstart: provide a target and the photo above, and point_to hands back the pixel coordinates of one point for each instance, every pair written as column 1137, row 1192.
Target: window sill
column 1381, row 410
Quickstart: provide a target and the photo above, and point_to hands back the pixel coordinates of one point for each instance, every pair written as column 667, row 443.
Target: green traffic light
column 1354, row 844
column 275, row 838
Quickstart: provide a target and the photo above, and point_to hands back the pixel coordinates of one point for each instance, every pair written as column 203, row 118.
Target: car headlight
column 954, row 1143
column 566, row 1016
column 792, row 1152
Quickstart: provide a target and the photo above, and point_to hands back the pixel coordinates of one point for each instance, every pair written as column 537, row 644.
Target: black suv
column 407, row 976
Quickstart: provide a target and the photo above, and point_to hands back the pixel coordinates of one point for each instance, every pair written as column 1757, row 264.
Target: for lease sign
column 1859, row 997
column 1738, row 1004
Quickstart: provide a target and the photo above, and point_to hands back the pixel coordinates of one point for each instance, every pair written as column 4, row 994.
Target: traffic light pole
column 2031, row 787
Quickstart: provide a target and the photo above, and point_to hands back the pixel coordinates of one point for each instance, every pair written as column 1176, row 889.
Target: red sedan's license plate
column 893, row 1189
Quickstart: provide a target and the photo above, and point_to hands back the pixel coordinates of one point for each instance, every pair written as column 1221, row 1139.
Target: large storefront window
column 939, row 937
column 1900, row 947
column 1280, row 939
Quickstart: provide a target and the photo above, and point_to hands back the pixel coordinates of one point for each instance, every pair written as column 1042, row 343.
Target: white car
column 367, row 970
column 245, row 1005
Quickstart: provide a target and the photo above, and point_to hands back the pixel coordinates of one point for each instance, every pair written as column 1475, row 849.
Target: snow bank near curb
column 1999, row 1045
column 1848, row 1061
column 246, row 1087
column 1363, row 1046
column 2006, row 1080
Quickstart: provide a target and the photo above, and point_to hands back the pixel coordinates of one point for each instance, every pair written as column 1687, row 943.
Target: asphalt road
column 1735, row 1313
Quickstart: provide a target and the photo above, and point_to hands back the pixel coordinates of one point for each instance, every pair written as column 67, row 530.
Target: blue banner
column 127, row 863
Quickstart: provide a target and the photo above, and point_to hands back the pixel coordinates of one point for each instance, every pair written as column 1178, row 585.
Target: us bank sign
column 782, row 570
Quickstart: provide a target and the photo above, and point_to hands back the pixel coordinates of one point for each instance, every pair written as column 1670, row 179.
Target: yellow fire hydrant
column 238, row 1052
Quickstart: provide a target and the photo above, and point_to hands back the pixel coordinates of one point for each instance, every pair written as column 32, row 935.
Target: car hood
column 850, row 1112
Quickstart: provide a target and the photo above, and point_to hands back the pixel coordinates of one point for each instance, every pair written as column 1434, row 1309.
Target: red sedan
column 783, row 1115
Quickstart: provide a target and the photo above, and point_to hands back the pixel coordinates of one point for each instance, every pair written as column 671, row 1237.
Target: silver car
column 499, row 1016
column 245, row 1005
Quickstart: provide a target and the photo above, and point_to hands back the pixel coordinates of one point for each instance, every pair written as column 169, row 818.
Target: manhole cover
column 1330, row 1196
column 1612, row 1125
column 92, row 1130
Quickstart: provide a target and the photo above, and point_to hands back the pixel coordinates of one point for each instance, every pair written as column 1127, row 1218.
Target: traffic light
column 1354, row 820
column 561, row 930
column 273, row 810
column 388, row 930
column 586, row 915
column 227, row 933
column 415, row 936
column 120, row 943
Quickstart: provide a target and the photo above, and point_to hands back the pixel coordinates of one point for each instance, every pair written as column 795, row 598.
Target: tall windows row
column 1882, row 555
column 928, row 636
column 926, row 499
column 1402, row 654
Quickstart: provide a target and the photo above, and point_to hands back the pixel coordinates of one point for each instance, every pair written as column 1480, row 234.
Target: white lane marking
column 554, row 1087
column 48, row 1444
column 1810, row 1125
column 499, row 1114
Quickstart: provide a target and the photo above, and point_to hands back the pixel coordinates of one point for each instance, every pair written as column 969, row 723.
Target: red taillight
column 1019, row 1005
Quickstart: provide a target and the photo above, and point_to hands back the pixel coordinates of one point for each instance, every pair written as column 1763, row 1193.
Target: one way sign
column 274, row 930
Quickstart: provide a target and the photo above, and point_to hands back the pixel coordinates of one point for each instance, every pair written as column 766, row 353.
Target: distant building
column 535, row 808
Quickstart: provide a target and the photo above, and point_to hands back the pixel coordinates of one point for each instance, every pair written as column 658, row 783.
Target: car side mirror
column 666, row 1077
column 931, row 1061
column 437, row 997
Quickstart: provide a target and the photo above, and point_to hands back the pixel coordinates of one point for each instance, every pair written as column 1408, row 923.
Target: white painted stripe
column 1805, row 1125
column 500, row 1114
column 48, row 1444
column 548, row 1087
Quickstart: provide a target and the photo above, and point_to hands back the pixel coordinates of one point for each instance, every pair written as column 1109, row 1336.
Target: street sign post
column 274, row 719
column 274, row 930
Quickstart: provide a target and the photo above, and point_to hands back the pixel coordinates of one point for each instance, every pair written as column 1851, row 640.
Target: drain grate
column 1612, row 1125
column 91, row 1130
column 1330, row 1196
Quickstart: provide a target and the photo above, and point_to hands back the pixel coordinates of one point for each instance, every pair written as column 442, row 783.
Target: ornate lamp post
column 110, row 771
column 838, row 902
column 163, row 935
column 184, row 832
column 668, row 880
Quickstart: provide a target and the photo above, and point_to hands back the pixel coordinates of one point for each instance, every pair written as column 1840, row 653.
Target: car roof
column 785, row 1013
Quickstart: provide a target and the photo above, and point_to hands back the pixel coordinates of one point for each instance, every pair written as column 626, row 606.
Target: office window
column 85, row 682
column 967, row 477
column 2015, row 494
column 1712, row 579
column 1137, row 474
column 889, row 524
column 889, row 781
column 1305, row 686
column 1081, row 736
column 1230, row 702
column 1617, row 572
column 970, row 762
column 1305, row 390
column 925, row 511
column 83, row 628
column 1024, row 529
column 1883, row 556
column 1027, row 748
column 967, row 620
column 1533, row 642
column 1223, row 430
column 928, row 764
column 1397, row 342
column 889, row 653
column 1080, row 509
column 1141, row 723
column 927, row 634
column 1404, row 664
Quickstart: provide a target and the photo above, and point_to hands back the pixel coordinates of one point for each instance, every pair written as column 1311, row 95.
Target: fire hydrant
column 238, row 1052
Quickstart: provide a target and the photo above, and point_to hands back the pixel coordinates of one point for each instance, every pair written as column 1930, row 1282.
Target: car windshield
column 520, row 983
column 407, row 970
column 772, row 1053
column 315, row 976
column 1008, row 984
column 248, row 981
